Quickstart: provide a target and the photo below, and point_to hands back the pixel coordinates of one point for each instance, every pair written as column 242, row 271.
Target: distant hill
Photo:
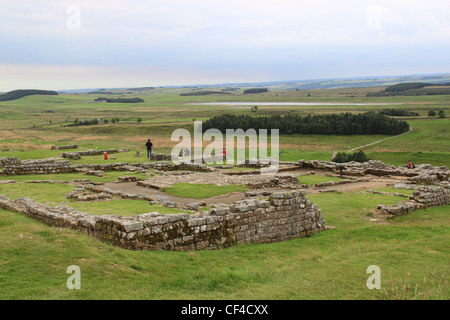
column 102, row 91
column 337, row 83
column 121, row 100
column 202, row 93
column 17, row 94
column 413, row 89
column 141, row 89
column 307, row 84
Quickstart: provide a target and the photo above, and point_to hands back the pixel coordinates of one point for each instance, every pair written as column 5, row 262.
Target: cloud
column 258, row 37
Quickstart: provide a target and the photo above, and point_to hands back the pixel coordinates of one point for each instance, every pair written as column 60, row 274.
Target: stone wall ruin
column 281, row 216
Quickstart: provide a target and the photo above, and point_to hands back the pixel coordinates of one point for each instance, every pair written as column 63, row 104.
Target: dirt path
column 373, row 143
column 384, row 139
column 356, row 186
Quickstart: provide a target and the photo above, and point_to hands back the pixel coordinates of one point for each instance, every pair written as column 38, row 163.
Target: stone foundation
column 424, row 173
column 339, row 182
column 423, row 197
column 67, row 147
column 93, row 152
column 282, row 216
column 160, row 157
column 169, row 166
column 8, row 161
column 38, row 167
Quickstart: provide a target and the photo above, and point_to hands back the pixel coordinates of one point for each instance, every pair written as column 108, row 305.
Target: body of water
column 289, row 104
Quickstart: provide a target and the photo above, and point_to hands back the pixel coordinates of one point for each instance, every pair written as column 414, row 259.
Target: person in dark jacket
column 149, row 146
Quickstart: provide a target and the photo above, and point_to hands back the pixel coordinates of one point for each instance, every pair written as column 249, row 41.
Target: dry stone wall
column 423, row 197
column 67, row 147
column 8, row 161
column 169, row 166
column 282, row 216
column 38, row 167
column 161, row 157
column 93, row 152
column 424, row 173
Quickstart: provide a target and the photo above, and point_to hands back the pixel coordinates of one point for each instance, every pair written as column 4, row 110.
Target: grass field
column 199, row 191
column 411, row 251
column 330, row 265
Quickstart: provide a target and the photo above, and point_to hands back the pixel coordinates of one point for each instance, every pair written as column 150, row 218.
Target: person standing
column 149, row 146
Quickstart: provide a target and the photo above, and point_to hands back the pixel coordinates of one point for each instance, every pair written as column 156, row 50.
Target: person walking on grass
column 149, row 146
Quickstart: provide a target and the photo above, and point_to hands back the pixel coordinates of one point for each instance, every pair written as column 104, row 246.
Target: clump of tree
column 203, row 93
column 17, row 94
column 88, row 122
column 431, row 113
column 327, row 124
column 398, row 113
column 121, row 100
column 342, row 157
column 441, row 114
column 255, row 90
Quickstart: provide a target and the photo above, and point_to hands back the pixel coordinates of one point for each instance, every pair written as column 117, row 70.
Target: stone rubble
column 82, row 195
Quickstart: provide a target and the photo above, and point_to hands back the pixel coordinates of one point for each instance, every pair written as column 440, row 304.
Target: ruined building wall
column 281, row 216
column 422, row 198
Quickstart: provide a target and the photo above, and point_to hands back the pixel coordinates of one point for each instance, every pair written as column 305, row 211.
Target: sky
column 61, row 45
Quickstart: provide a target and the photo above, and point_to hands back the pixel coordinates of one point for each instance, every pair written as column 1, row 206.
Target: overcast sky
column 102, row 44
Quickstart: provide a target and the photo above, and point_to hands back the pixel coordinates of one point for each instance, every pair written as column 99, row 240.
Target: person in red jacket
column 106, row 156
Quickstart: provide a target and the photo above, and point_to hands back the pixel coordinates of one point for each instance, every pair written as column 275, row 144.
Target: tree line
column 17, row 94
column 326, row 124
column 121, row 100
column 255, row 90
column 399, row 113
